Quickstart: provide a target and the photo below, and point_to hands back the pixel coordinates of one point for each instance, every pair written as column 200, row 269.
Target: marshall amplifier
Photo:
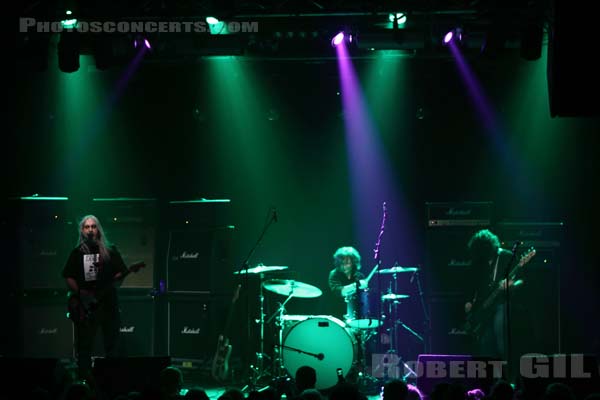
column 190, row 332
column 202, row 213
column 131, row 224
column 540, row 294
column 199, row 261
column 43, row 252
column 459, row 214
column 135, row 243
column 545, row 237
column 449, row 228
column 44, row 235
column 126, row 210
column 46, row 330
column 137, row 327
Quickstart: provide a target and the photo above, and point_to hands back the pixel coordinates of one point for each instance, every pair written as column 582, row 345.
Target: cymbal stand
column 392, row 330
column 260, row 356
column 279, row 369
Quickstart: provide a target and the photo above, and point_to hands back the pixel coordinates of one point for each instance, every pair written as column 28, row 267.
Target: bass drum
column 322, row 342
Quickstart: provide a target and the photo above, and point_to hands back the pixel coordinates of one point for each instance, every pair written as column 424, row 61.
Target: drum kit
column 322, row 342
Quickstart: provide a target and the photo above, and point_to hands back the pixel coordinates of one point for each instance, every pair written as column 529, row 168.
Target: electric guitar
column 480, row 313
column 82, row 305
column 220, row 366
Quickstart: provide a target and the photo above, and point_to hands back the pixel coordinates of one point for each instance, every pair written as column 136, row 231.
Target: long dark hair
column 483, row 246
column 347, row 251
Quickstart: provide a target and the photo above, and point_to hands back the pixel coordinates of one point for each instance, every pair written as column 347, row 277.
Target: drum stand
column 279, row 368
column 258, row 371
column 392, row 331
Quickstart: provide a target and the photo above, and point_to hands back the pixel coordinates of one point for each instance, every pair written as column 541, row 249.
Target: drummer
column 344, row 277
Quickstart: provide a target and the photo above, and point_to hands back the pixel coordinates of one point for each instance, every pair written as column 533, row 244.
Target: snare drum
column 322, row 342
column 360, row 313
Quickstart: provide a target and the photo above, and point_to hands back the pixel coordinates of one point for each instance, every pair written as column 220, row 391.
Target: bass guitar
column 81, row 305
column 220, row 365
column 481, row 312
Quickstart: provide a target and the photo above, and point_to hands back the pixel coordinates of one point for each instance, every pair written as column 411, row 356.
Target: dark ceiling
column 307, row 26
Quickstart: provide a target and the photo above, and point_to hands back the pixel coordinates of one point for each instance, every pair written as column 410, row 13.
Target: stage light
column 70, row 23
column 400, row 18
column 142, row 43
column 337, row 39
column 448, row 37
column 212, row 20
column 455, row 35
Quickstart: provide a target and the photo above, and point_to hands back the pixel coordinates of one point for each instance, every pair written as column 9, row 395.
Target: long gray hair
column 102, row 242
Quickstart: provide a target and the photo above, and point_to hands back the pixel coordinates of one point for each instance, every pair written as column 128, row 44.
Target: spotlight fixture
column 337, row 39
column 399, row 18
column 453, row 36
column 142, row 43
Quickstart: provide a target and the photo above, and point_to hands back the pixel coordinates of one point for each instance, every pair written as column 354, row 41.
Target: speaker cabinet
column 539, row 298
column 447, row 315
column 199, row 261
column 448, row 264
column 131, row 224
column 449, row 228
column 190, row 327
column 135, row 243
column 46, row 330
column 43, row 251
column 137, row 334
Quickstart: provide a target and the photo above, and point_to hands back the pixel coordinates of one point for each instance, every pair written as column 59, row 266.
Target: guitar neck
column 511, row 277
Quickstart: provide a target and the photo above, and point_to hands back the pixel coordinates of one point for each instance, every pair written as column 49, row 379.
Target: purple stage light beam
column 492, row 125
column 371, row 179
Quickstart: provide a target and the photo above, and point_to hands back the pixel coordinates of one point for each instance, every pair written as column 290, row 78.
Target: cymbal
column 286, row 287
column 393, row 296
column 395, row 270
column 260, row 269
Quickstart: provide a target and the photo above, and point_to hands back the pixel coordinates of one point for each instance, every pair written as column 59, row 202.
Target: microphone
column 504, row 251
column 320, row 356
column 89, row 237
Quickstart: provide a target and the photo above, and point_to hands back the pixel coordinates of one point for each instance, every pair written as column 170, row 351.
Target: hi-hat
column 286, row 287
column 260, row 269
column 393, row 296
column 395, row 270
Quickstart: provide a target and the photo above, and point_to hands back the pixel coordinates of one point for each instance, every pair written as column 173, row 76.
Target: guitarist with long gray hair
column 92, row 273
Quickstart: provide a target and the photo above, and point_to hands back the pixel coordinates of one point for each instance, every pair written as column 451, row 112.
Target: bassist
column 489, row 263
column 92, row 272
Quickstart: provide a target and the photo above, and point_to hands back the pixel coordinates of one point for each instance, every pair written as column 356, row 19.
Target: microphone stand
column 426, row 321
column 507, row 337
column 244, row 267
